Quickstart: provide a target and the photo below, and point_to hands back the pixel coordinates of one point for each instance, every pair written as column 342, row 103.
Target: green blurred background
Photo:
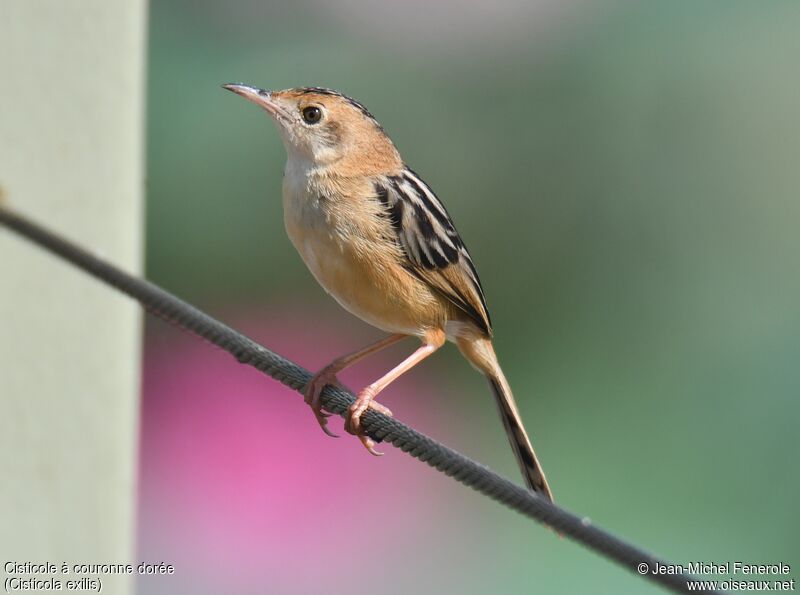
column 626, row 176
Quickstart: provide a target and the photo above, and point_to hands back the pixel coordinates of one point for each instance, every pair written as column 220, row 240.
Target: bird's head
column 323, row 126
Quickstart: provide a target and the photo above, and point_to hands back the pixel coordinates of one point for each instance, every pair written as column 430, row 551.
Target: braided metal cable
column 450, row 462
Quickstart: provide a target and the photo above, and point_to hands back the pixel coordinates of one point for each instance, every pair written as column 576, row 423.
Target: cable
column 161, row 303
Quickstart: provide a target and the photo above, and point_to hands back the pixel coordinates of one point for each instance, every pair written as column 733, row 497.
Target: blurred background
column 626, row 177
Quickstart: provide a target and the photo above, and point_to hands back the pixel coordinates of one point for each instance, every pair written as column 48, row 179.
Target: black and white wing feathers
column 435, row 252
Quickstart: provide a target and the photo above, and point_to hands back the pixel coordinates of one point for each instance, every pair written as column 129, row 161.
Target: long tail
column 480, row 354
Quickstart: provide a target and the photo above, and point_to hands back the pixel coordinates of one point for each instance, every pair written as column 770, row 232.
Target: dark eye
column 312, row 114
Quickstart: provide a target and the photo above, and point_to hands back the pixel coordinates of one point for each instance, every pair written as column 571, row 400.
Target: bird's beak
column 260, row 97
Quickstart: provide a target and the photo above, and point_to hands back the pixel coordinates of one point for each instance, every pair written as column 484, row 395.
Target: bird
column 381, row 243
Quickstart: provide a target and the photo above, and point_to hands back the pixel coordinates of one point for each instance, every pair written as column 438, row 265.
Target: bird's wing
column 434, row 251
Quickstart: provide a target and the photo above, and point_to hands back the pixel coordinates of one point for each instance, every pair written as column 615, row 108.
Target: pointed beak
column 260, row 97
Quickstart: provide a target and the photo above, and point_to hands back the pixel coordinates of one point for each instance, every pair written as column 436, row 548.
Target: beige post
column 71, row 157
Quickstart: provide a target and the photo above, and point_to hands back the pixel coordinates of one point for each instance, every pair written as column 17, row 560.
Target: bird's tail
column 480, row 354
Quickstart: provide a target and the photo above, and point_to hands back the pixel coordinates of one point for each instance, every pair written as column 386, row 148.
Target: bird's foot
column 352, row 422
column 313, row 391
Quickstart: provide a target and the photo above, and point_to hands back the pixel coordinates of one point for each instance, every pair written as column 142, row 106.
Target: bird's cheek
column 324, row 153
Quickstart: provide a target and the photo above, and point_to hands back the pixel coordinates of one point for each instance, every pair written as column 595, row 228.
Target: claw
column 369, row 444
column 313, row 391
column 323, row 424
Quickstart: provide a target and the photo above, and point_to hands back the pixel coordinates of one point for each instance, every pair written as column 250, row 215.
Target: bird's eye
column 312, row 114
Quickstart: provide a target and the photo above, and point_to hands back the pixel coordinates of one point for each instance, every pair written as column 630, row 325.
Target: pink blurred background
column 242, row 492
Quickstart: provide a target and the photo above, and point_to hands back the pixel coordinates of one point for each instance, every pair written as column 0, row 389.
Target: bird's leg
column 327, row 375
column 365, row 398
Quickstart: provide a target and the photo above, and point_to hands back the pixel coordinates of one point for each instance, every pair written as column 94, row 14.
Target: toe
column 375, row 406
column 352, row 423
column 312, row 392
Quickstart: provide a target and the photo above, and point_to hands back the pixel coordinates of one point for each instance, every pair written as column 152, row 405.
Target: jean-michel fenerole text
column 736, row 568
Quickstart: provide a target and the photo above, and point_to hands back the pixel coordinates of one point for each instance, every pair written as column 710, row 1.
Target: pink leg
column 327, row 375
column 365, row 399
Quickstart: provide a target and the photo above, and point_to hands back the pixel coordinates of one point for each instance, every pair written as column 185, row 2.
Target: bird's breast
column 358, row 268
